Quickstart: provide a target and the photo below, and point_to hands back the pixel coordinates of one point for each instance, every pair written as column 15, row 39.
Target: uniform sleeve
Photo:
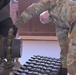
column 34, row 9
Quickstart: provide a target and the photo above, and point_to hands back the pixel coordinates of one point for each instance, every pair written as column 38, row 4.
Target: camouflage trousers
column 68, row 49
column 62, row 35
column 71, row 57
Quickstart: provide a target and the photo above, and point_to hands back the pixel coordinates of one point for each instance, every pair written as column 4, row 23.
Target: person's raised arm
column 34, row 9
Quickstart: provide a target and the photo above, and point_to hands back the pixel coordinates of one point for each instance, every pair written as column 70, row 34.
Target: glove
column 44, row 17
column 14, row 29
column 5, row 28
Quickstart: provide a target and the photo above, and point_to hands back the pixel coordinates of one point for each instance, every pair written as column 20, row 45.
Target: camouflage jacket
column 64, row 10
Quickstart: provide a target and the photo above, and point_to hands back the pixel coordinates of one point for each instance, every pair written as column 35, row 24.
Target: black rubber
column 40, row 65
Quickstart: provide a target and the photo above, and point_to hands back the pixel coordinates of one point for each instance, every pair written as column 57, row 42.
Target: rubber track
column 40, row 65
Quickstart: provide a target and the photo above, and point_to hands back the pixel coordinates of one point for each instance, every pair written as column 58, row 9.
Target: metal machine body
column 4, row 11
column 10, row 46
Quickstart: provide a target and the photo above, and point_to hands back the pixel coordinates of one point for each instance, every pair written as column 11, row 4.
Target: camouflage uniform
column 63, row 14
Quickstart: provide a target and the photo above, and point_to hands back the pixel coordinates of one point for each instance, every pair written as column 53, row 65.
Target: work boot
column 63, row 71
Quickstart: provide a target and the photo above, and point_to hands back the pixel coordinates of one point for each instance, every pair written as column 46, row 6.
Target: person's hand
column 5, row 29
column 14, row 29
column 44, row 17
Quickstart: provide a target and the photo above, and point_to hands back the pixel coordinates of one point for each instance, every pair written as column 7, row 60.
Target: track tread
column 40, row 65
